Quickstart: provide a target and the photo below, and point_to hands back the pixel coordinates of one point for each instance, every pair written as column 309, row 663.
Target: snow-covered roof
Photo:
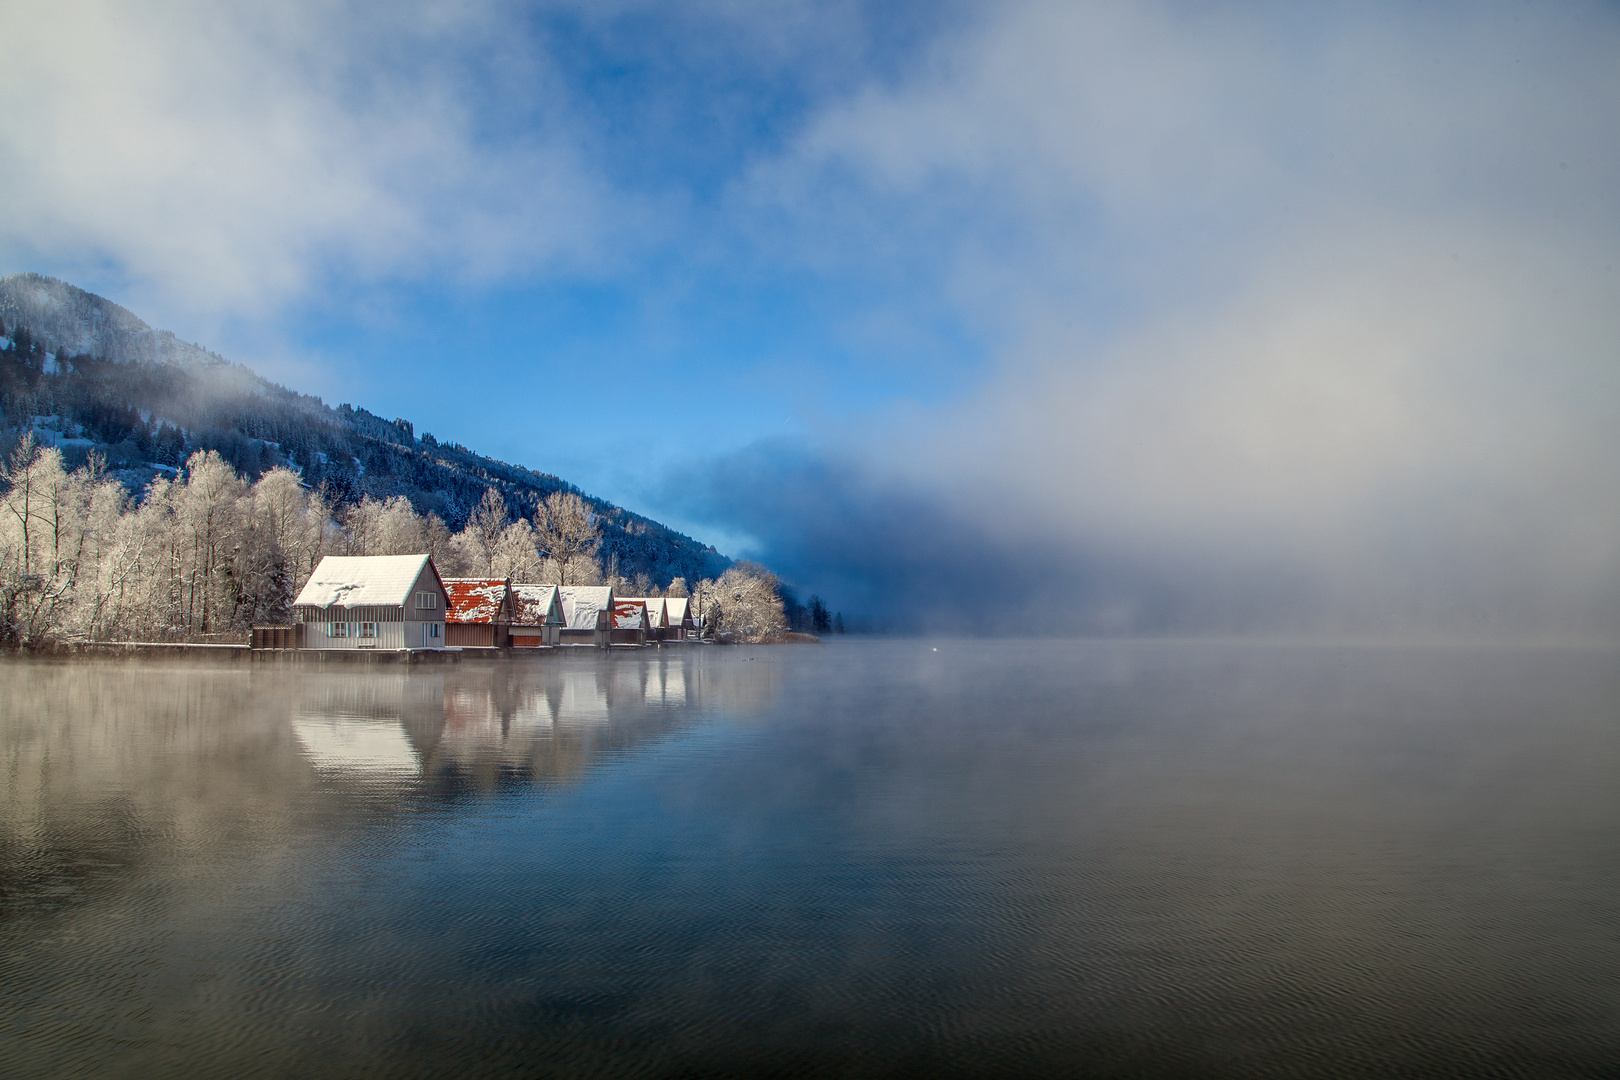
column 355, row 580
column 675, row 610
column 582, row 602
column 531, row 604
column 629, row 614
column 474, row 600
column 655, row 609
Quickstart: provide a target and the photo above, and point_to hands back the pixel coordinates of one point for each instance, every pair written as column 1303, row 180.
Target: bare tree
column 567, row 534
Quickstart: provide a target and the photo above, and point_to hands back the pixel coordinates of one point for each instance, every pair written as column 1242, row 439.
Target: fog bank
column 1293, row 324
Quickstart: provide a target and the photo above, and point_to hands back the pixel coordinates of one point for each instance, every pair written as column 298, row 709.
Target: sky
column 1114, row 318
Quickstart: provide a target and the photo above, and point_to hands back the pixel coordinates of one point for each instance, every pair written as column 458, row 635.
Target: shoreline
column 234, row 653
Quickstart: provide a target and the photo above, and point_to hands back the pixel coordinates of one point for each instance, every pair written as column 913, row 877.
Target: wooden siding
column 469, row 635
column 339, row 613
column 582, row 637
column 276, row 637
column 390, row 636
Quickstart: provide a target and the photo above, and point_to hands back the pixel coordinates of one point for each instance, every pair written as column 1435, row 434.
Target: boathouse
column 373, row 602
column 587, row 614
column 629, row 622
column 480, row 614
column 655, row 615
column 537, row 616
column 678, row 625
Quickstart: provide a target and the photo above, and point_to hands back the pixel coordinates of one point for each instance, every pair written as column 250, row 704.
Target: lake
column 865, row 858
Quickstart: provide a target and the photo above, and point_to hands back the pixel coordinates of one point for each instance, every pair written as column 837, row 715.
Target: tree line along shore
column 207, row 554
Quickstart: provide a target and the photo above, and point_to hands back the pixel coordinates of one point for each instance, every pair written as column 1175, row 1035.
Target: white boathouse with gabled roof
column 373, row 602
column 588, row 611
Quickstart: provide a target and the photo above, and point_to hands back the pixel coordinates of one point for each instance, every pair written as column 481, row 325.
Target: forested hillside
column 88, row 377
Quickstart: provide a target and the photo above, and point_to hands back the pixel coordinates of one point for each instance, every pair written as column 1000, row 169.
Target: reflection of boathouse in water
column 478, row 728
column 363, row 725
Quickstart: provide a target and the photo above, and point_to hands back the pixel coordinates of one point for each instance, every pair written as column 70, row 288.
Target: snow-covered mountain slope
column 82, row 322
column 82, row 371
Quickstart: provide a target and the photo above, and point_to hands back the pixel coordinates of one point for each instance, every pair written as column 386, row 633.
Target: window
column 368, row 629
column 433, row 630
column 426, row 601
column 337, row 629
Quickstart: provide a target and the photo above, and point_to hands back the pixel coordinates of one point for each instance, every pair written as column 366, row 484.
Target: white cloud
column 228, row 157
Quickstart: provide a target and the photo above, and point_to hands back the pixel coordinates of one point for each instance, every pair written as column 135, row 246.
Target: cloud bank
column 1299, row 322
column 231, row 158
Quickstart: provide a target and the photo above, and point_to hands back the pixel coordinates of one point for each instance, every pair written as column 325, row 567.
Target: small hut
column 587, row 614
column 373, row 602
column 480, row 615
column 537, row 616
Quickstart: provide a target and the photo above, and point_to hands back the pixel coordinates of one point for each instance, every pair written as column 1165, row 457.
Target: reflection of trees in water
column 108, row 766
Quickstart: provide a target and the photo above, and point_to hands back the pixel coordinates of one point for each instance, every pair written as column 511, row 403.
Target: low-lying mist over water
column 874, row 857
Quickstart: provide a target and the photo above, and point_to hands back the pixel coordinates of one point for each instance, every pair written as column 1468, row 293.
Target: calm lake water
column 859, row 859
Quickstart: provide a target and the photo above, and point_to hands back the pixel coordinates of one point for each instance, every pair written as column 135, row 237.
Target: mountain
column 88, row 375
column 84, row 323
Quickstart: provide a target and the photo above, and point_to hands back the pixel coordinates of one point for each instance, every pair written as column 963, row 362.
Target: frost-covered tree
column 296, row 519
column 477, row 543
column 515, row 554
column 32, row 587
column 207, row 509
column 568, row 535
column 745, row 604
column 376, row 527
